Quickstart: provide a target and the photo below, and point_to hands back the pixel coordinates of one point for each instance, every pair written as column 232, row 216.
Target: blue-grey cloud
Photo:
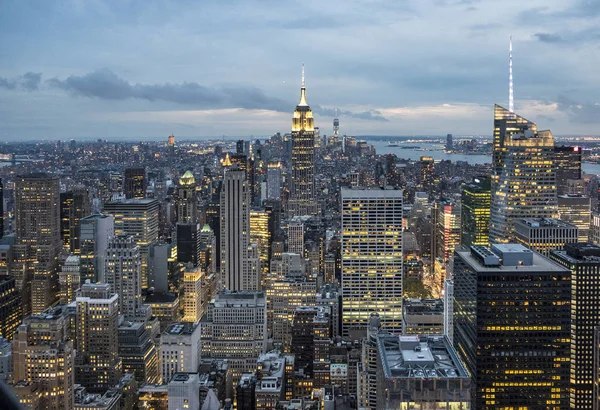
column 549, row 38
column 106, row 85
column 28, row 81
column 583, row 113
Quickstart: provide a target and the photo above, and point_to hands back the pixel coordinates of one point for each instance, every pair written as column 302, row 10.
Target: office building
column 10, row 307
column 187, row 199
column 260, row 234
column 165, row 307
column 161, row 257
column 274, row 180
column 123, row 274
column 179, row 349
column 303, row 338
column 235, row 328
column 138, row 218
column 289, row 265
column 208, row 250
column 37, row 208
column 97, row 364
column 43, row 356
column 423, row 317
column 184, row 391
column 296, row 236
column 371, row 242
column 449, row 142
column 524, row 179
column 1, row 209
column 512, row 326
column 193, row 304
column 138, row 352
column 446, row 236
column 427, row 172
column 188, row 243
column 302, row 191
column 283, row 297
column 449, row 309
column 95, row 232
column 245, row 392
column 545, row 235
column 5, row 359
column 584, row 262
column 271, row 379
column 576, row 210
column 406, row 370
column 475, row 213
column 567, row 161
column 74, row 205
column 135, row 183
column 69, row 279
column 235, row 232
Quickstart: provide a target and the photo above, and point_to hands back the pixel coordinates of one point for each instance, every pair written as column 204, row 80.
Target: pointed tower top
column 336, row 113
column 511, row 97
column 303, row 83
column 303, row 102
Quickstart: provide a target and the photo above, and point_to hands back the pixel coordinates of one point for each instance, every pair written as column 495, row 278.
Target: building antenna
column 303, row 84
column 511, row 96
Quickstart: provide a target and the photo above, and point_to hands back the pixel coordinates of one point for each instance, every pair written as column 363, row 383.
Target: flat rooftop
column 423, row 306
column 419, row 357
column 544, row 223
column 540, row 263
column 387, row 192
column 182, row 328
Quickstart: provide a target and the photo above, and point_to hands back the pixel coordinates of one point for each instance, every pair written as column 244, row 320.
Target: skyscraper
column 69, row 279
column 302, row 193
column 475, row 213
column 577, row 210
column 188, row 243
column 545, row 235
column 568, row 166
column 584, row 262
column 138, row 218
column 193, row 305
column 296, row 237
column 74, row 205
column 274, row 180
column 187, row 199
column 123, row 274
column 10, row 307
column 97, row 364
column 235, row 230
column 427, row 171
column 179, row 349
column 371, row 259
column 95, row 232
column 512, row 326
column 524, row 180
column 43, row 355
column 135, row 183
column 1, row 209
column 37, row 205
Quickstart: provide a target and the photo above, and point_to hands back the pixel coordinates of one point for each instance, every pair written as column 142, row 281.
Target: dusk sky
column 145, row 69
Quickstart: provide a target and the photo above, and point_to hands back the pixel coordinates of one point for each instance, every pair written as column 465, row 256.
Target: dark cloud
column 372, row 115
column 28, row 81
column 548, row 38
column 106, row 85
column 583, row 113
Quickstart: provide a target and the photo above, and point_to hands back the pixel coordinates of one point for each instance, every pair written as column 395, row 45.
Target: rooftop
column 144, row 201
column 423, row 306
column 544, row 223
column 539, row 263
column 419, row 357
column 182, row 328
column 381, row 192
column 160, row 298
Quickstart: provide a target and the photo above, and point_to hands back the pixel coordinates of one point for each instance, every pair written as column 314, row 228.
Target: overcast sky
column 148, row 68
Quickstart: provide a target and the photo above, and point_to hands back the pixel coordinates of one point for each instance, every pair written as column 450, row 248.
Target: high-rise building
column 576, row 210
column 296, row 237
column 43, row 355
column 69, row 279
column 260, row 234
column 545, row 235
column 74, row 205
column 304, row 324
column 1, row 209
column 302, row 193
column 95, row 232
column 235, row 328
column 193, row 305
column 406, row 361
column 188, row 243
column 37, row 207
column 584, row 262
column 97, row 364
column 274, row 180
column 123, row 274
column 449, row 142
column 371, row 258
column 235, row 231
column 423, row 317
column 10, row 307
column 475, row 213
column 138, row 218
column 208, row 250
column 523, row 179
column 179, row 349
column 187, row 199
column 568, row 166
column 138, row 352
column 135, row 183
column 184, row 391
column 427, row 172
column 512, row 326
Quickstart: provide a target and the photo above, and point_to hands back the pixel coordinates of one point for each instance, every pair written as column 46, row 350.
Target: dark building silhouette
column 135, row 183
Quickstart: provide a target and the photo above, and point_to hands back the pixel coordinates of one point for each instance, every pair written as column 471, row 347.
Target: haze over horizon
column 132, row 69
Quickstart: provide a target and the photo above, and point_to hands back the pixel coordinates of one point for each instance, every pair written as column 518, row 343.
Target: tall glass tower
column 302, row 195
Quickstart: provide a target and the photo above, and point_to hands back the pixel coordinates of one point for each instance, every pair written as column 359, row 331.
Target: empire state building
column 302, row 195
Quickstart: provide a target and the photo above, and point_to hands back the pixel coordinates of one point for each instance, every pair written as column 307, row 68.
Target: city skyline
column 364, row 60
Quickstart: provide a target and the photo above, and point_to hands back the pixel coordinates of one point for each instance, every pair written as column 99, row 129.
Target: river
column 436, row 151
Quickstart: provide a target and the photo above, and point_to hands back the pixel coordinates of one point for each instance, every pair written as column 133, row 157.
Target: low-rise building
column 423, row 316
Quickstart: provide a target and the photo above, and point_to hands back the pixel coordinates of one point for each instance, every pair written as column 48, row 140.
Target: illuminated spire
column 303, row 102
column 511, row 97
column 303, row 83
